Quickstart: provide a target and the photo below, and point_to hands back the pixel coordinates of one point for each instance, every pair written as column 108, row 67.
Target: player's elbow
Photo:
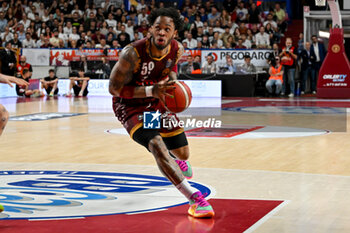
column 113, row 91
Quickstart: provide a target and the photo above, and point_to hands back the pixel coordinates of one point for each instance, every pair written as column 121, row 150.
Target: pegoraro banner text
column 259, row 57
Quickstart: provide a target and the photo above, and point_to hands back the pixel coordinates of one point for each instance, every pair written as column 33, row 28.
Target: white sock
column 186, row 189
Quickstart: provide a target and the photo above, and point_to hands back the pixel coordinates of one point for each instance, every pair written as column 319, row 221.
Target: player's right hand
column 19, row 82
column 11, row 79
column 160, row 90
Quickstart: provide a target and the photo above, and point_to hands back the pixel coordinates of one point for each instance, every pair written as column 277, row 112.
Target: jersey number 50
column 147, row 68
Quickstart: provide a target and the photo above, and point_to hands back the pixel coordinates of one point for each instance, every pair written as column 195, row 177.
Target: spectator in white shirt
column 74, row 35
column 41, row 10
column 77, row 10
column 216, row 39
column 218, row 27
column 31, row 13
column 6, row 35
column 25, row 21
column 141, row 5
column 36, row 3
column 129, row 28
column 247, row 66
column 27, row 6
column 232, row 26
column 270, row 20
column 209, row 66
column 105, row 5
column 198, row 22
column 111, row 21
column 4, row 7
column 241, row 12
column 62, row 35
column 103, row 44
column 246, row 42
column 262, row 39
column 40, row 42
column 142, row 16
column 28, row 42
column 191, row 43
column 54, row 40
column 46, row 16
column 92, row 8
column 68, row 29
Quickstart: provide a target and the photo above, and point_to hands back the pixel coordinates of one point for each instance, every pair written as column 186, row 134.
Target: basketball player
column 4, row 115
column 139, row 81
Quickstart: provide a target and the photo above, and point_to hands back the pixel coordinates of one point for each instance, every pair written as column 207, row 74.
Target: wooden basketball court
column 281, row 165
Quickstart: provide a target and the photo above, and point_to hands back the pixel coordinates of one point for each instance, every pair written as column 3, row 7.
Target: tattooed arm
column 122, row 74
column 173, row 73
column 122, row 71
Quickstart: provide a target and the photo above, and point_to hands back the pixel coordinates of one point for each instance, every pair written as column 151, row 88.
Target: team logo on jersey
column 151, row 120
column 68, row 194
column 168, row 63
column 165, row 72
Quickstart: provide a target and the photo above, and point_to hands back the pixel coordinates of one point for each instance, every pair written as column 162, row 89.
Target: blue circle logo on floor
column 72, row 194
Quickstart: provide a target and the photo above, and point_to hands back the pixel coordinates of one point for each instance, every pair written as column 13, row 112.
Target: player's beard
column 161, row 47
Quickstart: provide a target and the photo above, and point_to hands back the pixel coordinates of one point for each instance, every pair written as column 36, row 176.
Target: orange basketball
column 182, row 98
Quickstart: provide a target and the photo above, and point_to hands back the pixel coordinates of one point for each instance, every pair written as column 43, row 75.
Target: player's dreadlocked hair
column 169, row 12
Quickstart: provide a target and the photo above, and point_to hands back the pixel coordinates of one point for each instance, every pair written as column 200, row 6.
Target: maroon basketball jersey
column 150, row 70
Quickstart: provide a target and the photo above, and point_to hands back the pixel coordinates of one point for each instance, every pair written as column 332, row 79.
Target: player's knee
column 4, row 116
column 157, row 147
column 182, row 153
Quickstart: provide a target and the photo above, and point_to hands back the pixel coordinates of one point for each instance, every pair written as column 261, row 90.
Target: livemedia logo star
column 151, row 120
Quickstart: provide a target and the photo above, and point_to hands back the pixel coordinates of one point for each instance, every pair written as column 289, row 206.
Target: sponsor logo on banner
column 43, row 116
column 37, row 57
column 335, row 77
column 337, row 80
column 69, row 194
column 62, row 57
column 259, row 57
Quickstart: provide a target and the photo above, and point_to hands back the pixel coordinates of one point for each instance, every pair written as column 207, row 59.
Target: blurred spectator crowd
column 228, row 24
column 108, row 24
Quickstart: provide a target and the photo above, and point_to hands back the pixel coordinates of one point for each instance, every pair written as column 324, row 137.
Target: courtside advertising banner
column 62, row 57
column 37, row 57
column 346, row 5
column 259, row 57
column 7, row 91
column 199, row 88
